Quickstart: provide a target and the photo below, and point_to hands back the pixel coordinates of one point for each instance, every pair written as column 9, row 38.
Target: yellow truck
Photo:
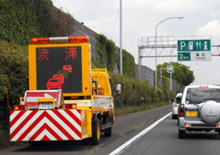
column 66, row 100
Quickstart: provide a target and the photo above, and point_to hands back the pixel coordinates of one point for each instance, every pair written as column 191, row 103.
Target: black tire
column 173, row 117
column 108, row 132
column 182, row 134
column 96, row 131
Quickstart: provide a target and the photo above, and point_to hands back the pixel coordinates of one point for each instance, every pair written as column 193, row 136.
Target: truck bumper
column 50, row 125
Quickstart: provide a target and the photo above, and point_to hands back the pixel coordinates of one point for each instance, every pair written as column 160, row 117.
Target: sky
column 139, row 19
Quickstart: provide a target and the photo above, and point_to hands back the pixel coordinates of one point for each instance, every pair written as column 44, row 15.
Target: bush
column 134, row 93
column 13, row 69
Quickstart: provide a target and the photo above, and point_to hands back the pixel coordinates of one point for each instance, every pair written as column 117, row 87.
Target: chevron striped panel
column 45, row 125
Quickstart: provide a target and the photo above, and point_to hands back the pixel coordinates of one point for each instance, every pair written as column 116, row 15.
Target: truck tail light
column 182, row 109
column 69, row 106
column 55, row 40
column 21, row 107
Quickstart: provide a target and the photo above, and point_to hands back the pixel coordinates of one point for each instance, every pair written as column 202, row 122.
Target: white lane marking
column 142, row 133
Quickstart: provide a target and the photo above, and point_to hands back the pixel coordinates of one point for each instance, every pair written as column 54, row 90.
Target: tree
column 182, row 74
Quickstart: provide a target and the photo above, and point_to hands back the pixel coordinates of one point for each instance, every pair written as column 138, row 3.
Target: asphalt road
column 160, row 139
column 163, row 140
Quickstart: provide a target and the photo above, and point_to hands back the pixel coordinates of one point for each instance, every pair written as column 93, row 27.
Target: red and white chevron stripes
column 45, row 125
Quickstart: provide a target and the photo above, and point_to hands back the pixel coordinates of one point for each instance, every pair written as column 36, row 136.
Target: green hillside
column 24, row 19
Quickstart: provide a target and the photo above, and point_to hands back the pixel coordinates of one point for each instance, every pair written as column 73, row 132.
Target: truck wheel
column 96, row 131
column 182, row 134
column 108, row 132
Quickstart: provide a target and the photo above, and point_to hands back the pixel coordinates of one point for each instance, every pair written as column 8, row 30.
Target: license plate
column 45, row 106
column 191, row 113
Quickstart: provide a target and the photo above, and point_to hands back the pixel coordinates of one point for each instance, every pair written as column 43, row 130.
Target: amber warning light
column 55, row 40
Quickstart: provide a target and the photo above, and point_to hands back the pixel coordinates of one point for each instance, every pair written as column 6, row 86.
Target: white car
column 175, row 106
column 199, row 109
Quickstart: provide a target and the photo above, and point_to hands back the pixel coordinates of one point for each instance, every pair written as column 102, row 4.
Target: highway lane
column 163, row 139
column 125, row 128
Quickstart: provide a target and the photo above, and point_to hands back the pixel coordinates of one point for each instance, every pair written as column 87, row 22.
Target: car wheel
column 182, row 134
column 173, row 116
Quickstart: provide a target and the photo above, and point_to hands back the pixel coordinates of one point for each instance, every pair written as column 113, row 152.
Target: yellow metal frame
column 86, row 123
column 101, row 76
column 86, row 66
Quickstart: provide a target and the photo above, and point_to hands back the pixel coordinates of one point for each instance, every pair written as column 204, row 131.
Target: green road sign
column 184, row 56
column 193, row 45
column 170, row 69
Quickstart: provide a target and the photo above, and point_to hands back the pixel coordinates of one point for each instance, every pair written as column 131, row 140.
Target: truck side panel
column 86, row 123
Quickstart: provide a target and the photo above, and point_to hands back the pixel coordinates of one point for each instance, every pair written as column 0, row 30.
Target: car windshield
column 198, row 95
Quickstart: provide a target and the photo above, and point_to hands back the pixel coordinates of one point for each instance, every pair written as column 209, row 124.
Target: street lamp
column 156, row 46
column 121, row 64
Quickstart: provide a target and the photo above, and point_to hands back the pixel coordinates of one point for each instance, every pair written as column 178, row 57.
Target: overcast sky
column 140, row 17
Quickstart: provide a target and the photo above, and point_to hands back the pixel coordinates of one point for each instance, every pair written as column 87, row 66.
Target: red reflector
column 21, row 107
column 69, row 106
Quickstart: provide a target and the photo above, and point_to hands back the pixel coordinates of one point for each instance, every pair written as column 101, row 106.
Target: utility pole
column 121, row 70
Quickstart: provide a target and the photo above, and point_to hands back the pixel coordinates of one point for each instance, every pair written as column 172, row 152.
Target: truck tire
column 96, row 131
column 108, row 132
column 182, row 134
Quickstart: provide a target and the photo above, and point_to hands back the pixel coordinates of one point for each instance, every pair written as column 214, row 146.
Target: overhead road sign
column 193, row 45
column 194, row 50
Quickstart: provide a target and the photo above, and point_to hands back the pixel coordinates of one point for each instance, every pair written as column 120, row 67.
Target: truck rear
column 66, row 100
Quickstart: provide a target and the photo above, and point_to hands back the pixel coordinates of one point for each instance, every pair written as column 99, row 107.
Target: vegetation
column 13, row 69
column 109, row 56
column 128, row 64
column 25, row 19
column 182, row 74
column 107, row 52
column 136, row 93
column 131, row 109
